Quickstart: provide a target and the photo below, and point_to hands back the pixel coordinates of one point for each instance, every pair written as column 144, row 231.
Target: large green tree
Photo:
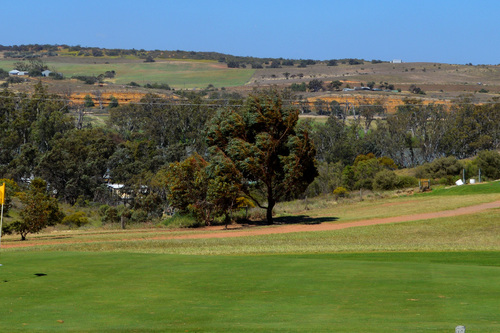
column 275, row 158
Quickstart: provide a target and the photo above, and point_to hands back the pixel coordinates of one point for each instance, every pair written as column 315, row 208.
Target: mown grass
column 470, row 189
column 414, row 276
column 126, row 292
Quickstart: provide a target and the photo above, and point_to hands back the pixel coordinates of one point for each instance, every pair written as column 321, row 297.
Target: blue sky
column 431, row 31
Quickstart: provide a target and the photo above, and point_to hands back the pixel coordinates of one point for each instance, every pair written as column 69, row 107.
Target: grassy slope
column 178, row 74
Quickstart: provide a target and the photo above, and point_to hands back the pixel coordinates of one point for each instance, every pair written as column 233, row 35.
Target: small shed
column 396, row 61
column 46, row 73
column 14, row 72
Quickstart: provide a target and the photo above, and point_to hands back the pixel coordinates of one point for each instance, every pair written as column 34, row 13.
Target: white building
column 396, row 61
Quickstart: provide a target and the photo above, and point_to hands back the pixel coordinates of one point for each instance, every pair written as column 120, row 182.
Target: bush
column 155, row 85
column 139, row 215
column 86, row 79
column 340, row 192
column 406, row 181
column 448, row 180
column 76, row 219
column 109, row 214
column 440, row 168
column 489, row 163
column 385, row 180
column 298, row 86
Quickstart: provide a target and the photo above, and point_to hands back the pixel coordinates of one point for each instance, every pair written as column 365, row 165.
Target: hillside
column 195, row 71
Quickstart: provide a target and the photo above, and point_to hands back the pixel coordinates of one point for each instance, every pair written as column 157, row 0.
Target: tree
column 368, row 110
column 28, row 126
column 98, row 96
column 206, row 190
column 335, row 85
column 39, row 210
column 275, row 158
column 416, row 90
column 113, row 102
column 315, row 85
column 89, row 102
column 76, row 164
column 335, row 141
column 187, row 187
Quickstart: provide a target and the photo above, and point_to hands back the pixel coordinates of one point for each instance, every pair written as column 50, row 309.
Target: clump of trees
column 250, row 148
column 257, row 151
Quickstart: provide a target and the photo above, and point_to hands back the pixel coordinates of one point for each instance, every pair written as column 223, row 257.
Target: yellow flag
column 2, row 194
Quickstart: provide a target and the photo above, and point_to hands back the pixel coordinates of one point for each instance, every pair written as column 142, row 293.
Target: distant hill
column 124, row 71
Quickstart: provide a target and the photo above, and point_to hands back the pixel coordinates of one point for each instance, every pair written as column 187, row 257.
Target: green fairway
column 483, row 188
column 123, row 292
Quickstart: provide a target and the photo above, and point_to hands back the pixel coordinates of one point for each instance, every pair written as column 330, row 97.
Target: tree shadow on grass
column 299, row 219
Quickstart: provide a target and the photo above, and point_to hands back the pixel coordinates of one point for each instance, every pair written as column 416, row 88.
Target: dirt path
column 239, row 231
column 338, row 226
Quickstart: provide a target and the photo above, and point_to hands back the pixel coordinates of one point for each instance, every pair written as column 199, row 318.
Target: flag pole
column 1, row 223
column 2, row 201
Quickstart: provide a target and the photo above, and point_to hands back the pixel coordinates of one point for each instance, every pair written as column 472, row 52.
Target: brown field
column 441, row 82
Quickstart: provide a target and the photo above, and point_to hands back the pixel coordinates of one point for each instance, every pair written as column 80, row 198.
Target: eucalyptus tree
column 276, row 159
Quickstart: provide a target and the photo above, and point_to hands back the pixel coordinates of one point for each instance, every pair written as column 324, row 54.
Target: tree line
column 33, row 51
column 203, row 156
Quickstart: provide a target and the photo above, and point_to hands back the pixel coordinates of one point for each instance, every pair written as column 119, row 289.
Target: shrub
column 448, row 180
column 406, row 181
column 489, row 163
column 439, row 168
column 139, row 215
column 109, row 214
column 340, row 192
column 385, row 180
column 76, row 219
column 298, row 86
